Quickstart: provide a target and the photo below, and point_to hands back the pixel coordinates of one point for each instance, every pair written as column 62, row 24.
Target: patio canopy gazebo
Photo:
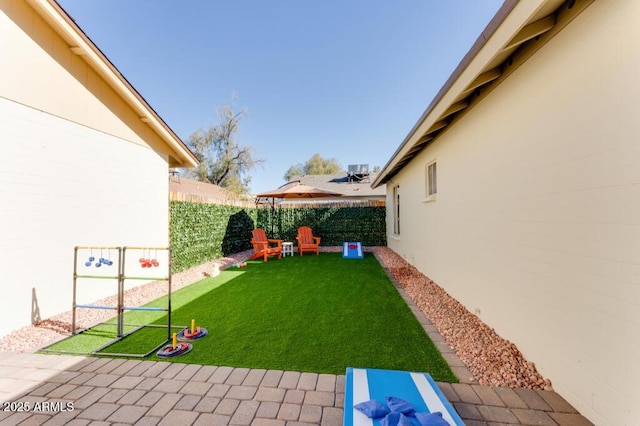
column 294, row 190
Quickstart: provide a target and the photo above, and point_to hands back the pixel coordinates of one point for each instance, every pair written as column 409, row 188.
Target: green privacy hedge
column 202, row 232
column 333, row 224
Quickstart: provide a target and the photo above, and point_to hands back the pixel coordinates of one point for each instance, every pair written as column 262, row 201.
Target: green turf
column 145, row 339
column 311, row 313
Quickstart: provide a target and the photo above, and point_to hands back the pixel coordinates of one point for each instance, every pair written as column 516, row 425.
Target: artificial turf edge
column 311, row 314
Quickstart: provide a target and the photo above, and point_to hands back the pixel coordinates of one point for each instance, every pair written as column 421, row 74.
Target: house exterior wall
column 536, row 223
column 45, row 74
column 77, row 168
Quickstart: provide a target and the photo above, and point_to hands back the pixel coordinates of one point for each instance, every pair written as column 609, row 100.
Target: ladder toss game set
column 180, row 340
column 364, row 388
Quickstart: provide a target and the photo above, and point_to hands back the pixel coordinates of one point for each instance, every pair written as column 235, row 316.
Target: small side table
column 287, row 248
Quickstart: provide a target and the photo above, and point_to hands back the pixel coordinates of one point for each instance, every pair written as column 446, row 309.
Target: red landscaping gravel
column 491, row 359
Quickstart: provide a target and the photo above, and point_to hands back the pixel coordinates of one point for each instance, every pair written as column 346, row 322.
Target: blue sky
column 345, row 79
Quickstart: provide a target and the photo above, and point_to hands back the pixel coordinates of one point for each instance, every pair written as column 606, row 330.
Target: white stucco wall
column 63, row 185
column 536, row 224
column 77, row 167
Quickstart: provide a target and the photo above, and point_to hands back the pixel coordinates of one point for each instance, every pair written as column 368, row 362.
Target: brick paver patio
column 57, row 390
column 69, row 390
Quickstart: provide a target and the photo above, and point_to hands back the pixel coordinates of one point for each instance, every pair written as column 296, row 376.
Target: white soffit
column 515, row 33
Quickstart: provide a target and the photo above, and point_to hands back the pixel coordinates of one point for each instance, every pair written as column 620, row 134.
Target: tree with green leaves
column 316, row 165
column 223, row 161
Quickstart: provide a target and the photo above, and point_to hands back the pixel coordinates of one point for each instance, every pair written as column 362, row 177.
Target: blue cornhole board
column 418, row 388
column 352, row 253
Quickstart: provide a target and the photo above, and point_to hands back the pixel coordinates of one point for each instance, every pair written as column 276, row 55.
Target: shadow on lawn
column 142, row 340
column 313, row 313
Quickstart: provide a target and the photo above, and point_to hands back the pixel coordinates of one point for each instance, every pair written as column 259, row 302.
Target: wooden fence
column 289, row 204
column 202, row 199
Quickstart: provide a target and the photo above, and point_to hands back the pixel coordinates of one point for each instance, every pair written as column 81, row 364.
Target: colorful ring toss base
column 185, row 334
column 169, row 351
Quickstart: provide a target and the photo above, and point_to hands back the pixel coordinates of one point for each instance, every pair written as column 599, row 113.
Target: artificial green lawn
column 311, row 313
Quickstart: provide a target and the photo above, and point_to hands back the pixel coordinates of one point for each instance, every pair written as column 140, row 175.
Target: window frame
column 431, row 181
column 396, row 209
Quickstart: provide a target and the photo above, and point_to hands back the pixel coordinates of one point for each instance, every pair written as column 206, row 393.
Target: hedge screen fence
column 202, row 232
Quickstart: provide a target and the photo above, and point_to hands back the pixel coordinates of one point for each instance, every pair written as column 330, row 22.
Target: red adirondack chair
column 265, row 247
column 306, row 241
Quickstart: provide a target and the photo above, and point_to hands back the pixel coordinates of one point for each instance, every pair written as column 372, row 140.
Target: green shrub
column 202, row 232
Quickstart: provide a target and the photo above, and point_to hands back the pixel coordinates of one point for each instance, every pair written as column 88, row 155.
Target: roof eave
column 518, row 29
column 80, row 44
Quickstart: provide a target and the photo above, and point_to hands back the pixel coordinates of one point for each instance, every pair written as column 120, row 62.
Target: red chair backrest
column 259, row 235
column 305, row 235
